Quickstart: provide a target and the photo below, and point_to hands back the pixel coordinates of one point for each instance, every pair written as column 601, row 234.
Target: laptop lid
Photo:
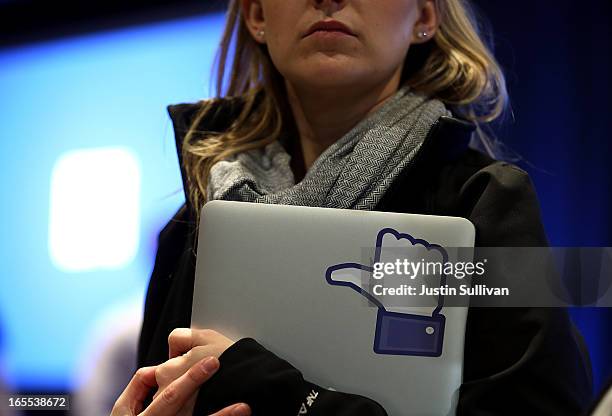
column 292, row 278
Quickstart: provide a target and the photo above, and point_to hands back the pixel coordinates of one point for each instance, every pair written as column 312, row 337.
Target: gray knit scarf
column 352, row 173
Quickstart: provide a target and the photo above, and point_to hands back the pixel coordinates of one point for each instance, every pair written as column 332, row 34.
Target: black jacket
column 516, row 360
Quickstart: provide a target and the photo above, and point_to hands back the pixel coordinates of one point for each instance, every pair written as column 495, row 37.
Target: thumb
column 347, row 274
column 354, row 276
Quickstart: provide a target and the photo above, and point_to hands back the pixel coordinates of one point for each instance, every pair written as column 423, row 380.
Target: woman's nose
column 329, row 5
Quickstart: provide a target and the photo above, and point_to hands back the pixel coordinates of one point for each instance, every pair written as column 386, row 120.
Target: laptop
column 292, row 278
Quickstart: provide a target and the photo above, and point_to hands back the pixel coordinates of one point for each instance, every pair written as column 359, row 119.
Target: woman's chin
column 329, row 70
column 332, row 78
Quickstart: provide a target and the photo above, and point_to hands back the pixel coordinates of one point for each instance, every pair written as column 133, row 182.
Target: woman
column 375, row 103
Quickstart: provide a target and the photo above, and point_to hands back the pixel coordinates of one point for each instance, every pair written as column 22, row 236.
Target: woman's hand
column 174, row 397
column 187, row 347
column 183, row 340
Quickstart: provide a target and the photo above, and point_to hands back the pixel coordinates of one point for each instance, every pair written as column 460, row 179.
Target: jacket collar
column 448, row 138
column 218, row 119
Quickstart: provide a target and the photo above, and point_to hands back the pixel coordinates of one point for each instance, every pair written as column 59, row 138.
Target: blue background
column 108, row 89
column 558, row 59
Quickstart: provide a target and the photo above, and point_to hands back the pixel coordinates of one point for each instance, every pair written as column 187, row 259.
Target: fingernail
column 210, row 365
column 241, row 410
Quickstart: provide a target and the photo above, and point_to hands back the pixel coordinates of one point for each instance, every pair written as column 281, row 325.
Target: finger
column 172, row 369
column 182, row 340
column 177, row 393
column 179, row 341
column 136, row 391
column 240, row 409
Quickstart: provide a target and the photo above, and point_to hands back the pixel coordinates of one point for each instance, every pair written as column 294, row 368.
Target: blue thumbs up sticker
column 396, row 333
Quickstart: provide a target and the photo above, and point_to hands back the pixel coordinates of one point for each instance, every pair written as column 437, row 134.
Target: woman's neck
column 321, row 118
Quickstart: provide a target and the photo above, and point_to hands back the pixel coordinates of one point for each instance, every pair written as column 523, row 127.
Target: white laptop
column 292, row 278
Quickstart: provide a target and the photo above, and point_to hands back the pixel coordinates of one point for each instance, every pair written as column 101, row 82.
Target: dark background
column 557, row 58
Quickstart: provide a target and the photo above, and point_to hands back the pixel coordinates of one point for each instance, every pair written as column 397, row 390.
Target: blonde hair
column 455, row 66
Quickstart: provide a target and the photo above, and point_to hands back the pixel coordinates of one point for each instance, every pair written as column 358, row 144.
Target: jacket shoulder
column 480, row 172
column 500, row 199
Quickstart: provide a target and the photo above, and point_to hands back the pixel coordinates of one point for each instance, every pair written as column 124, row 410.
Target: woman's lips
column 329, row 28
column 329, row 33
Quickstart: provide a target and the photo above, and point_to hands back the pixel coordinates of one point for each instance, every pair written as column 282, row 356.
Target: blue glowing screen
column 78, row 115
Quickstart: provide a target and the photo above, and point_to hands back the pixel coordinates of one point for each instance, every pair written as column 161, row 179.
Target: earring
column 423, row 34
column 261, row 33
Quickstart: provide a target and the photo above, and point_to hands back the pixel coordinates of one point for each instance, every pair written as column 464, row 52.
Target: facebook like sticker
column 397, row 333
